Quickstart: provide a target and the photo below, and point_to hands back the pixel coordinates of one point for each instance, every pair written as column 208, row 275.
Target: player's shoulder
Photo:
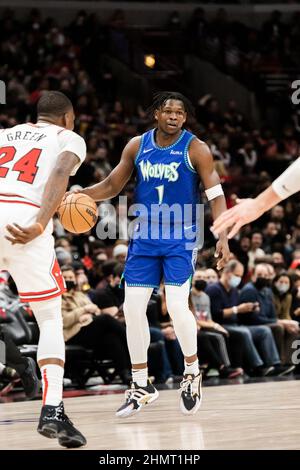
column 64, row 134
column 136, row 140
column 134, row 143
column 198, row 145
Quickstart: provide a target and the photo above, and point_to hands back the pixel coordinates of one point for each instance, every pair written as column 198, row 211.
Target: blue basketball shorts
column 148, row 264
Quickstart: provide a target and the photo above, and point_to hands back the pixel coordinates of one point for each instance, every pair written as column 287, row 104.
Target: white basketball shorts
column 33, row 266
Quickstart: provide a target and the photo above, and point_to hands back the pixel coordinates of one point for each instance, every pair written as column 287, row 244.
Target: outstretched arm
column 247, row 210
column 202, row 160
column 116, row 180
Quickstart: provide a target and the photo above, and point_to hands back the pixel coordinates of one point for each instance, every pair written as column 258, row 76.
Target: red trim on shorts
column 58, row 279
column 45, row 391
column 57, row 275
column 40, row 299
column 41, row 292
column 12, row 195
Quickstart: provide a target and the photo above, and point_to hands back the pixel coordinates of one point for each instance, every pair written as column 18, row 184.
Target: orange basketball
column 78, row 213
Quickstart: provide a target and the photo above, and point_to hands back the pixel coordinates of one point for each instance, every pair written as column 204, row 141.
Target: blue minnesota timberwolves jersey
column 167, row 189
column 164, row 242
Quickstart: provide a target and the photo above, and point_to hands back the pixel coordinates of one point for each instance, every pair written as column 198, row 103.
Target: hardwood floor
column 253, row 416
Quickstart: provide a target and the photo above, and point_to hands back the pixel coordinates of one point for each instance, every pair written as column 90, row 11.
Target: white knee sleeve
column 137, row 326
column 49, row 318
column 184, row 322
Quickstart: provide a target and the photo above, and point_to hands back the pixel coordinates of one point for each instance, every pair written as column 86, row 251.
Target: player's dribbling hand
column 22, row 235
column 223, row 253
column 73, row 191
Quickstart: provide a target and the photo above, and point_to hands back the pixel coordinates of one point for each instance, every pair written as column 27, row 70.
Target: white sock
column 52, row 379
column 192, row 368
column 140, row 376
column 2, row 367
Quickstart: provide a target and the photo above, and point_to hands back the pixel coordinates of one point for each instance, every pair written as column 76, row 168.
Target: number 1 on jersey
column 160, row 190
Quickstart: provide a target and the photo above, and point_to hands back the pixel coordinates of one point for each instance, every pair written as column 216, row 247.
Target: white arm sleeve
column 69, row 141
column 288, row 182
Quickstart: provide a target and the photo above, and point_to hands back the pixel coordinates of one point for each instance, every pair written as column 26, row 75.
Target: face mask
column 235, row 281
column 282, row 288
column 200, row 284
column 261, row 282
column 70, row 285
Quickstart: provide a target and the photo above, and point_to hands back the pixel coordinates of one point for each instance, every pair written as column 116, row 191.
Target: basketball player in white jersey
column 36, row 161
column 247, row 210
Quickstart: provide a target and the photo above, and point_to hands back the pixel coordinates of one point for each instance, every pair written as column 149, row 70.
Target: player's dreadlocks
column 161, row 98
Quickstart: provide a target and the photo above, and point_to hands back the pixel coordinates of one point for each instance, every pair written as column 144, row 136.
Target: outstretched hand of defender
column 222, row 252
column 23, row 235
column 243, row 213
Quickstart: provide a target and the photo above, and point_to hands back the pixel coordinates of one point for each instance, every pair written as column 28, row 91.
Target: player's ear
column 184, row 118
column 69, row 120
column 156, row 115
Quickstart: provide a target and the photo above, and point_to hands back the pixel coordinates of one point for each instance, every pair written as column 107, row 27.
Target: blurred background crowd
column 248, row 316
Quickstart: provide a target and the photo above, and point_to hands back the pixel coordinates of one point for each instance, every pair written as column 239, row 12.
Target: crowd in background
column 248, row 316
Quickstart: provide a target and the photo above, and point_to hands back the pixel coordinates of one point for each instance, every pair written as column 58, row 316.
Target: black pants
column 236, row 348
column 208, row 350
column 13, row 358
column 284, row 341
column 106, row 336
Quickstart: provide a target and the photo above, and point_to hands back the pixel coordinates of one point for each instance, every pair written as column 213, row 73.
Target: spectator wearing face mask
column 258, row 352
column 282, row 298
column 258, row 291
column 211, row 336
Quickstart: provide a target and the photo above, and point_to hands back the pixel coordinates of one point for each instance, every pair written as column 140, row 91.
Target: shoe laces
column 132, row 393
column 186, row 385
column 60, row 414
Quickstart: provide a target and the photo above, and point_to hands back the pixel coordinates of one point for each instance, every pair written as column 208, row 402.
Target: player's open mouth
column 172, row 126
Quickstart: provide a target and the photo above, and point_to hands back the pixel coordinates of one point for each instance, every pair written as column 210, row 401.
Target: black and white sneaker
column 280, row 370
column 30, row 379
column 190, row 393
column 54, row 423
column 135, row 398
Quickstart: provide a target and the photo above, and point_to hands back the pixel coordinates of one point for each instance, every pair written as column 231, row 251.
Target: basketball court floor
column 249, row 416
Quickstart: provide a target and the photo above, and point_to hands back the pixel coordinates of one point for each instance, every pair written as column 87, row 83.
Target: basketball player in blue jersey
column 169, row 162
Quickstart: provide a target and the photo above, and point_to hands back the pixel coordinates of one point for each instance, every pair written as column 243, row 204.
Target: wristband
column 235, row 310
column 214, row 192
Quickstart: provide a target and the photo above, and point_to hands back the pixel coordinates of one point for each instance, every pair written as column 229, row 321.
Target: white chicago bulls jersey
column 28, row 154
